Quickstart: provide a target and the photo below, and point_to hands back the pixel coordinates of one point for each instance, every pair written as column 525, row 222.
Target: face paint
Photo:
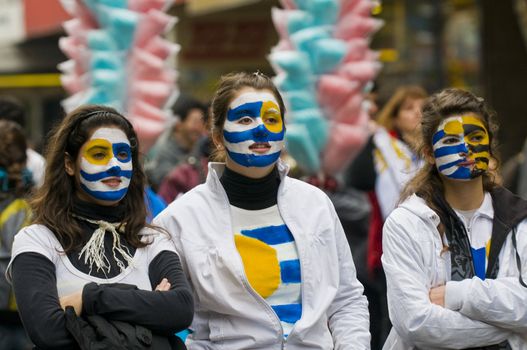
column 254, row 130
column 461, row 147
column 106, row 164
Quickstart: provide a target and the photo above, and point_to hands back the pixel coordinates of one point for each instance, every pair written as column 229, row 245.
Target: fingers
column 163, row 286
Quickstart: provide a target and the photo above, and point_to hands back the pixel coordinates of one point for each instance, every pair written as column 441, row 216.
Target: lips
column 466, row 163
column 112, row 182
column 260, row 147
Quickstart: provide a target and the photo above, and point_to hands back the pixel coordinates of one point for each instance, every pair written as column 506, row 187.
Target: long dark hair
column 53, row 202
column 449, row 102
column 228, row 86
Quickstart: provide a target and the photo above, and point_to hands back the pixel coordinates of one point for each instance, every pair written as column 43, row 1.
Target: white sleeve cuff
column 455, row 292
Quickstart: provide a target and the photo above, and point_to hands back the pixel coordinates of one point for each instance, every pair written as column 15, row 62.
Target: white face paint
column 106, row 164
column 254, row 130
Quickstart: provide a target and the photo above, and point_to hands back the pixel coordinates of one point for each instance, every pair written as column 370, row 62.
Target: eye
column 99, row 155
column 123, row 155
column 245, row 120
column 450, row 140
column 476, row 138
column 271, row 120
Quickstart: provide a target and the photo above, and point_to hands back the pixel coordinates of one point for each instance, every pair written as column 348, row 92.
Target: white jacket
column 476, row 312
column 229, row 313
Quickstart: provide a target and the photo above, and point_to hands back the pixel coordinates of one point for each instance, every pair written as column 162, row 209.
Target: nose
column 260, row 133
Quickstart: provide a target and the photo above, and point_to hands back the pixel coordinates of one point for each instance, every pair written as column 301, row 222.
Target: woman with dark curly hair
column 90, row 247
column 455, row 249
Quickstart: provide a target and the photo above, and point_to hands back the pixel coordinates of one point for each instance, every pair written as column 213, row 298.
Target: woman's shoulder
column 35, row 233
column 411, row 213
column 36, row 238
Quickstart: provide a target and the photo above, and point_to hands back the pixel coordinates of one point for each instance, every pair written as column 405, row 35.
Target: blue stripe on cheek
column 112, row 172
column 446, row 150
column 460, row 174
column 290, row 271
column 249, row 160
column 448, row 165
column 106, row 195
column 438, row 136
column 270, row 234
column 289, row 313
column 253, row 135
column 251, row 109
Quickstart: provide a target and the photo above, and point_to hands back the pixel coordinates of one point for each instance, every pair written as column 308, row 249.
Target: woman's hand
column 163, row 286
column 437, row 295
column 74, row 300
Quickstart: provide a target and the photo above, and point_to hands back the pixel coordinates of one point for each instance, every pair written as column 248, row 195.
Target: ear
column 69, row 164
column 218, row 140
column 429, row 156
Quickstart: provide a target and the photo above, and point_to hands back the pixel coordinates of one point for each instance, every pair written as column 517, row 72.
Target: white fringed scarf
column 93, row 250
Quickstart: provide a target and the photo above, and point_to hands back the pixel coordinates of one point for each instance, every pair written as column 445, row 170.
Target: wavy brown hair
column 438, row 107
column 53, row 202
column 228, row 86
column 391, row 109
column 13, row 158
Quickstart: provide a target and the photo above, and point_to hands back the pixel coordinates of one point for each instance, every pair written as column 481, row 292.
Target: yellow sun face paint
column 98, row 152
column 271, row 117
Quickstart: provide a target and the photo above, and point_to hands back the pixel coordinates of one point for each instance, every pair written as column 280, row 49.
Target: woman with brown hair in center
column 266, row 254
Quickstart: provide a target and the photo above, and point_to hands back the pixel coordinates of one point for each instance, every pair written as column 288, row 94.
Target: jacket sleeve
column 348, row 316
column 501, row 301
column 413, row 315
column 162, row 312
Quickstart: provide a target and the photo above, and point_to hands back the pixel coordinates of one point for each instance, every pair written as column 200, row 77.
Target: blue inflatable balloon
column 300, row 100
column 304, row 39
column 101, row 40
column 301, row 148
column 299, row 20
column 327, row 54
column 315, row 123
column 105, row 60
column 121, row 25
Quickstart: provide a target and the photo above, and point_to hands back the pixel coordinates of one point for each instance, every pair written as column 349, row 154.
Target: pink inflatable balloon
column 288, row 4
column 347, row 6
column 147, row 130
column 344, row 143
column 155, row 23
column 357, row 50
column 147, row 111
column 279, row 18
column 361, row 8
column 362, row 71
column 162, row 48
column 152, row 92
column 349, row 113
column 146, row 5
column 333, row 91
column 353, row 26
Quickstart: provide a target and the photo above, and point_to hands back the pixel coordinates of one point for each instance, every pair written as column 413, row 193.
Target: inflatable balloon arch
column 118, row 57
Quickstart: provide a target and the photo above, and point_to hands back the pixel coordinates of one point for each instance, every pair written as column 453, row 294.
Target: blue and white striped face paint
column 461, row 147
column 106, row 164
column 254, row 130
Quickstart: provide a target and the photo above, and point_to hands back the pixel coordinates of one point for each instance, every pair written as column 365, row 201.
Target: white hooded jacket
column 476, row 313
column 229, row 313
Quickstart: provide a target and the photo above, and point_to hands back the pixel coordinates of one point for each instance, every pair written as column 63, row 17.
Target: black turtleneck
column 248, row 193
column 98, row 212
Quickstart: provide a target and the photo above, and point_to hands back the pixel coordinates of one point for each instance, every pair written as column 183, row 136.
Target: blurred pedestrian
column 455, row 250
column 11, row 109
column 15, row 185
column 381, row 169
column 175, row 145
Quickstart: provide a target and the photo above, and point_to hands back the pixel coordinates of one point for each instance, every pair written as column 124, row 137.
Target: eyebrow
column 470, row 128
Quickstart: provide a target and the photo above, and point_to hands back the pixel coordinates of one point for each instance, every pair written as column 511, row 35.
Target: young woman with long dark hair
column 89, row 234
